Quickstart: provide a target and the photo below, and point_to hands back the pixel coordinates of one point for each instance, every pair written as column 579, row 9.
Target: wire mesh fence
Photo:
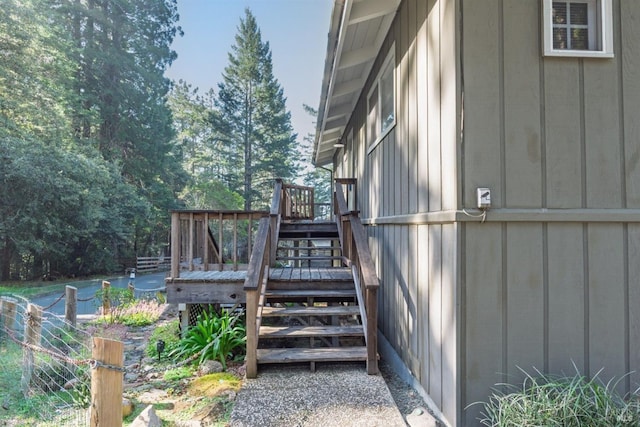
column 45, row 375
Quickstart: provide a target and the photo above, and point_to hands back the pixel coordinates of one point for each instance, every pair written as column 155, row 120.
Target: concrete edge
column 389, row 354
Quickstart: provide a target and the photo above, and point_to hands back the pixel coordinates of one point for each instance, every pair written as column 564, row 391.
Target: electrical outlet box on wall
column 484, row 198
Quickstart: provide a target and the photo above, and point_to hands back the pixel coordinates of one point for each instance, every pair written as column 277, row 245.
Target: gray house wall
column 550, row 278
column 407, row 179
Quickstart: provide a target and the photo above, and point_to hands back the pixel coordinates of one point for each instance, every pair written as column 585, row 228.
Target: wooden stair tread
column 309, row 248
column 310, row 293
column 313, row 274
column 328, row 354
column 310, row 331
column 339, row 310
column 310, row 258
column 300, row 239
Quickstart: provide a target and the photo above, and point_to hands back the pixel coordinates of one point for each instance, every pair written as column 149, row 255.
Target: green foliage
column 257, row 141
column 119, row 299
column 214, row 337
column 168, row 333
column 178, row 374
column 87, row 161
column 141, row 313
column 548, row 400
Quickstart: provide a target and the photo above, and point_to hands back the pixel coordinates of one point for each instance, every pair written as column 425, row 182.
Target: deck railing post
column 175, row 244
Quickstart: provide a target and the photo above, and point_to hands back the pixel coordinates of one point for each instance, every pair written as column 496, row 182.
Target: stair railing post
column 252, row 331
column 372, row 330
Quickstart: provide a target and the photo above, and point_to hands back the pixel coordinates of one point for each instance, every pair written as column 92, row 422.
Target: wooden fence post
column 32, row 335
column 106, row 302
column 106, row 383
column 7, row 314
column 70, row 305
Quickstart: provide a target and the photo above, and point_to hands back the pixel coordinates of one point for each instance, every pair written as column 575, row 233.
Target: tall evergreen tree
column 254, row 124
column 192, row 115
column 122, row 50
column 88, row 168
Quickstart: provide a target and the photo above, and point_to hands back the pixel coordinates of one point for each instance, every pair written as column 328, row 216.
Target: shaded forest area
column 96, row 145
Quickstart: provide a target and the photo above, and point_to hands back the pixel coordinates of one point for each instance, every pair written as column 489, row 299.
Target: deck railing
column 355, row 249
column 297, row 202
column 210, row 240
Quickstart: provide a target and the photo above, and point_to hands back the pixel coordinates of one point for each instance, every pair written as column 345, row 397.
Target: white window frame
column 389, row 64
column 600, row 30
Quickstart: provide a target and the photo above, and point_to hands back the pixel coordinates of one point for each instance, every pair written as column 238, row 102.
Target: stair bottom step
column 294, row 355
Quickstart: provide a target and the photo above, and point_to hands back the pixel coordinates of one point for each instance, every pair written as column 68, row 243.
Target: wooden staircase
column 311, row 288
column 309, row 310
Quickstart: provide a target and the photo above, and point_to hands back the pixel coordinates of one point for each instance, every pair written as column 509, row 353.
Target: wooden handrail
column 257, row 262
column 356, row 249
column 256, row 276
column 262, row 257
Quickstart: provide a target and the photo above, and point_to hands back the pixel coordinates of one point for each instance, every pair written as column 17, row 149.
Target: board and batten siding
column 551, row 279
column 409, row 174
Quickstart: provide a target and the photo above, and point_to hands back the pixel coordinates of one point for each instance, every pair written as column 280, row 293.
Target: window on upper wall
column 381, row 102
column 582, row 28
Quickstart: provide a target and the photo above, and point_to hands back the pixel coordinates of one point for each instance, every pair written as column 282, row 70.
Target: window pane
column 580, row 38
column 559, row 13
column 372, row 125
column 387, row 110
column 578, row 14
column 560, row 38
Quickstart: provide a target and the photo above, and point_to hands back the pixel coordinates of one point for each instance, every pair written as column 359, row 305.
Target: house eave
column 348, row 63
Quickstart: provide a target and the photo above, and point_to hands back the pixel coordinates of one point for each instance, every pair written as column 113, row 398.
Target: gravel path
column 407, row 399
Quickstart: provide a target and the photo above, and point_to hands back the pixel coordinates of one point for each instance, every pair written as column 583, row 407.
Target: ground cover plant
column 169, row 334
column 567, row 401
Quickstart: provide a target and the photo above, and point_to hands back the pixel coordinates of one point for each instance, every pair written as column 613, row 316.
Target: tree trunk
column 5, row 273
column 247, row 150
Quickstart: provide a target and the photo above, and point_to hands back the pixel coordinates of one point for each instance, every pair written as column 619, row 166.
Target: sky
column 295, row 29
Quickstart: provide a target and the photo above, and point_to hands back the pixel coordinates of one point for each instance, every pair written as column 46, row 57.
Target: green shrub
column 215, row 337
column 548, row 400
column 119, row 300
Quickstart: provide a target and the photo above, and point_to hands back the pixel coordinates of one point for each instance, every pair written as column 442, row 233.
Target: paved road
column 147, row 281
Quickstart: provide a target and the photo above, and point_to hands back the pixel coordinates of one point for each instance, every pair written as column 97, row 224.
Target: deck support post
column 184, row 320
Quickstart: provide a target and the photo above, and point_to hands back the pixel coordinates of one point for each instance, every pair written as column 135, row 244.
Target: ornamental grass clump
column 548, row 400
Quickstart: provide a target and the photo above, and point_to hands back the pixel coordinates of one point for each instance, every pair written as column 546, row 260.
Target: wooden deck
column 226, row 287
